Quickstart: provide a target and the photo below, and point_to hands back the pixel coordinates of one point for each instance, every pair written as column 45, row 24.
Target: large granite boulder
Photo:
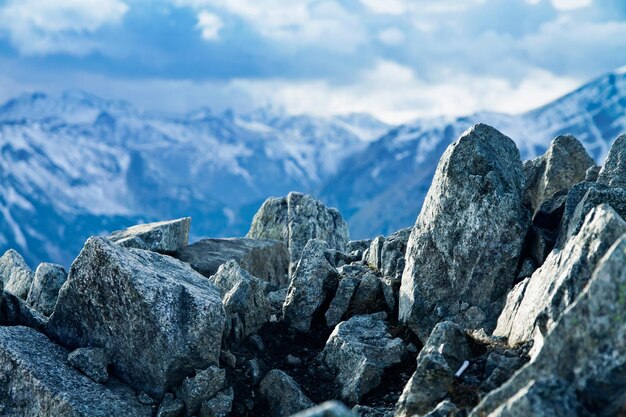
column 358, row 351
column 157, row 319
column 295, row 220
column 535, row 304
column 35, row 381
column 564, row 164
column 586, row 349
column 282, row 394
column 613, row 173
column 243, row 296
column 312, row 284
column 264, row 258
column 164, row 237
column 49, row 278
column 15, row 274
column 463, row 252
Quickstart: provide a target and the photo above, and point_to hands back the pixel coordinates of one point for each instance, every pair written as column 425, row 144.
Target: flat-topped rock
column 164, row 237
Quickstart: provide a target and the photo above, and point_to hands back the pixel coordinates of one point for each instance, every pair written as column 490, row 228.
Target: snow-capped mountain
column 76, row 165
column 381, row 188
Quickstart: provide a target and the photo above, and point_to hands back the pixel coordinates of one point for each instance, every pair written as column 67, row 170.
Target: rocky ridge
column 505, row 299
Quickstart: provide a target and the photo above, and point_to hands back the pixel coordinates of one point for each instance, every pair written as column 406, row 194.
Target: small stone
column 218, row 406
column 257, row 342
column 171, row 407
column 254, row 370
column 145, row 399
column 282, row 394
column 204, row 386
column 228, row 359
column 92, row 362
column 293, row 360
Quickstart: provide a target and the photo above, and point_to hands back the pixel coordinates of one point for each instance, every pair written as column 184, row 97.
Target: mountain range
column 74, row 165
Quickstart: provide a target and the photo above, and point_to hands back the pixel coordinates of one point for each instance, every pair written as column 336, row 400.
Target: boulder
column 327, row 409
column 282, row 394
column 534, row 305
column 170, row 407
column 218, row 406
column 442, row 355
column 358, row 351
column 15, row 274
column 49, row 278
column 463, row 252
column 244, row 300
column 15, row 312
column 136, row 305
column 564, row 164
column 312, row 284
column 368, row 296
column 263, row 258
column 613, row 173
column 35, row 381
column 202, row 387
column 295, row 220
column 339, row 305
column 357, row 248
column 164, row 237
column 92, row 362
column 585, row 351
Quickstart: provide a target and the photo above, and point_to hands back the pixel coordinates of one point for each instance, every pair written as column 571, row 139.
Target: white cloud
column 386, row 6
column 39, row 27
column 210, row 25
column 391, row 36
column 571, row 4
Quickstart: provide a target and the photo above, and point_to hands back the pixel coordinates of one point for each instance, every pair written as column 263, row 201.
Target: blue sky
column 397, row 59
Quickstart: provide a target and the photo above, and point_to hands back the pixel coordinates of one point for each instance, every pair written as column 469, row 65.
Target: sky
column 396, row 59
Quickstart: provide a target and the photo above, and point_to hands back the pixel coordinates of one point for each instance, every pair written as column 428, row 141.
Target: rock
column 358, row 351
column 164, row 237
column 254, row 370
column 202, row 387
column 327, row 409
column 339, row 305
column 500, row 367
column 444, row 409
column 592, row 173
column 443, row 354
column 365, row 411
column 613, row 173
column 277, row 299
column 313, row 281
column 218, row 406
column 282, row 394
column 136, row 305
column 15, row 312
column 357, row 248
column 228, row 359
column 35, row 381
column 368, row 297
column 586, row 349
column 244, row 300
column 527, row 268
column 171, row 407
column 145, row 399
column 295, row 220
column 92, row 362
column 463, row 252
column 48, row 280
column 374, row 254
column 535, row 305
column 257, row 342
column 293, row 360
column 548, row 216
column 15, row 274
column 263, row 258
column 564, row 164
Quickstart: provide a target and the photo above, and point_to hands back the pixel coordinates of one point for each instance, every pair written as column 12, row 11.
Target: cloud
column 391, row 36
column 210, row 25
column 40, row 27
column 571, row 4
column 393, row 7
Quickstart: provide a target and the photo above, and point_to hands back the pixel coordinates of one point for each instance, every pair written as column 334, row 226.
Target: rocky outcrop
column 264, row 258
column 15, row 274
column 613, row 173
column 36, row 381
column 564, row 164
column 535, row 304
column 163, row 237
column 136, row 305
column 295, row 220
column 312, row 284
column 358, row 351
column 282, row 394
column 463, row 252
column 243, row 296
column 585, row 352
column 43, row 293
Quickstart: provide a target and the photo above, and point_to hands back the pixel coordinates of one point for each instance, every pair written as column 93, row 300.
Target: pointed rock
column 49, row 278
column 282, row 394
column 164, row 237
column 15, row 274
column 613, row 173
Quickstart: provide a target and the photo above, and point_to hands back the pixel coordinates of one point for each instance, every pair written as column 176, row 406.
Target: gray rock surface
column 313, row 281
column 339, row 305
column 15, row 274
column 357, row 248
column 164, row 237
column 35, row 381
column 218, row 406
column 282, row 394
column 444, row 409
column 592, row 173
column 357, row 353
column 368, row 296
column 534, row 305
column 463, row 252
column 92, row 362
column 202, row 387
column 48, row 280
column 564, row 164
column 613, row 173
column 327, row 409
column 171, row 407
column 264, row 258
column 137, row 305
column 442, row 355
column 15, row 312
column 244, row 300
column 295, row 220
column 586, row 349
